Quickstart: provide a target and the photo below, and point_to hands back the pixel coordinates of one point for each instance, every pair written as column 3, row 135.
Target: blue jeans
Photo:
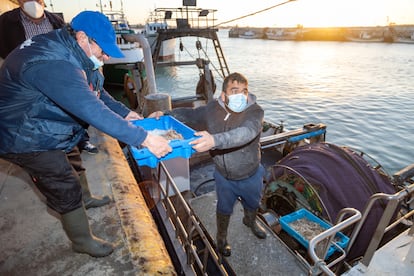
column 249, row 190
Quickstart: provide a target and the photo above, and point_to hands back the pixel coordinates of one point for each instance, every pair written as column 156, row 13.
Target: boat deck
column 391, row 259
column 250, row 255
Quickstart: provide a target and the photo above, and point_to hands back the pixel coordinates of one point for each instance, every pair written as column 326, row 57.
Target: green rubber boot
column 222, row 225
column 249, row 220
column 89, row 200
column 76, row 225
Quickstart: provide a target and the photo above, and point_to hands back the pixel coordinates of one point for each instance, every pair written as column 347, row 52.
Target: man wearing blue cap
column 49, row 87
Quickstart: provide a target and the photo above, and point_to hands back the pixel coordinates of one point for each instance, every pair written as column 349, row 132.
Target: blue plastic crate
column 181, row 148
column 303, row 213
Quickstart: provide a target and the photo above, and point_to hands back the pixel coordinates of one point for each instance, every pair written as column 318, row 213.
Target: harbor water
column 363, row 92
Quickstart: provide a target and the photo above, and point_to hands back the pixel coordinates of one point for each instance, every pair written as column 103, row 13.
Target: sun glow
column 326, row 13
column 308, row 13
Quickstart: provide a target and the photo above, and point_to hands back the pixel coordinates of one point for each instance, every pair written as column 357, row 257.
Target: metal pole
column 100, row 5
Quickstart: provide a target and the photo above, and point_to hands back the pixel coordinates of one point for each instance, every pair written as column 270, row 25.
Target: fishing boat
column 250, row 35
column 116, row 68
column 404, row 39
column 366, row 214
column 364, row 36
column 281, row 34
column 154, row 24
column 132, row 51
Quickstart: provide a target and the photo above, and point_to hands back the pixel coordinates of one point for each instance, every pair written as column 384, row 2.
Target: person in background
column 231, row 127
column 24, row 22
column 45, row 97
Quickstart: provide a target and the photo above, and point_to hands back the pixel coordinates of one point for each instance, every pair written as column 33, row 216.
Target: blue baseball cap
column 98, row 27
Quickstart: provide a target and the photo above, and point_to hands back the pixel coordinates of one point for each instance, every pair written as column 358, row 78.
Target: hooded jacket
column 47, row 93
column 12, row 31
column 236, row 135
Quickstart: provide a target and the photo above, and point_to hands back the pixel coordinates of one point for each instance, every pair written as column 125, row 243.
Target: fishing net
column 326, row 178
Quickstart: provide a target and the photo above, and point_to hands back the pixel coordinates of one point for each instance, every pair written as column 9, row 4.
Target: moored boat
column 154, row 23
column 338, row 185
column 404, row 39
column 281, row 34
column 364, row 36
column 116, row 68
column 192, row 244
column 250, row 35
column 132, row 51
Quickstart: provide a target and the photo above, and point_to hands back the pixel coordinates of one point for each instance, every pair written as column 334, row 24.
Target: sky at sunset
column 309, row 13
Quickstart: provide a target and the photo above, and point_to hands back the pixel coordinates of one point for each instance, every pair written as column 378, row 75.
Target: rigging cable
column 254, row 13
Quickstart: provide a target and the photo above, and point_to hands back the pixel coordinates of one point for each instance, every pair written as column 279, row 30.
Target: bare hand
column 132, row 115
column 156, row 114
column 204, row 143
column 157, row 145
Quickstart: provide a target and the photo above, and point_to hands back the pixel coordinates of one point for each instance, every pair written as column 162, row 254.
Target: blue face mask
column 237, row 102
column 96, row 62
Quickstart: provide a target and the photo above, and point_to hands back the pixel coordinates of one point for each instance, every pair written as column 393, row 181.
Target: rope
column 254, row 13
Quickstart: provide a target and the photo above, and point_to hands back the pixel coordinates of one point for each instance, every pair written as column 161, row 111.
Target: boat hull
column 353, row 39
column 167, row 51
column 403, row 40
column 132, row 54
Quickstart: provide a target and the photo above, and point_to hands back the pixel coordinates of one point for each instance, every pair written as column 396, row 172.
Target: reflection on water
column 363, row 92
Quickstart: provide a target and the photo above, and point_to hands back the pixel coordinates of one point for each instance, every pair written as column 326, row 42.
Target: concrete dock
column 33, row 242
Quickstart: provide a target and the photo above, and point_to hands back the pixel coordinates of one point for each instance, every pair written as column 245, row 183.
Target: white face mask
column 33, row 9
column 97, row 63
column 237, row 102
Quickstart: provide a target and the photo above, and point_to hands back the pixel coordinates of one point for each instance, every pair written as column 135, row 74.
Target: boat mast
column 100, row 6
column 51, row 5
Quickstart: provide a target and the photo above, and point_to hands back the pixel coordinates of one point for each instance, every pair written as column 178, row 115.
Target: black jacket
column 12, row 31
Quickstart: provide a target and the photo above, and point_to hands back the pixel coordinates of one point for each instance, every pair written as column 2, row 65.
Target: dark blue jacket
column 46, row 94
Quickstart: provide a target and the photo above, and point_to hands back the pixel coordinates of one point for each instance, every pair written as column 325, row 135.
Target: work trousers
column 249, row 190
column 56, row 175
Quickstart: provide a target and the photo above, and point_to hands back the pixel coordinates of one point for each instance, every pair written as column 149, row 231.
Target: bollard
column 156, row 102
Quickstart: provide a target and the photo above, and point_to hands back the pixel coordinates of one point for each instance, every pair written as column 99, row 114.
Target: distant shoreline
column 393, row 33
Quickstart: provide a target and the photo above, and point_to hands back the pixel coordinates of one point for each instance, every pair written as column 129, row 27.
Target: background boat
column 132, row 51
column 153, row 25
column 404, row 39
column 116, row 68
column 281, row 34
column 364, row 36
column 250, row 35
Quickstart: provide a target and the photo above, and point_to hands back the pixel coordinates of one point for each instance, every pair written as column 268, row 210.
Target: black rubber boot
column 76, row 225
column 89, row 200
column 222, row 225
column 249, row 220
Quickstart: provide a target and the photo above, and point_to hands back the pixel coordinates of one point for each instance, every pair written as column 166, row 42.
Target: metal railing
column 187, row 226
column 329, row 234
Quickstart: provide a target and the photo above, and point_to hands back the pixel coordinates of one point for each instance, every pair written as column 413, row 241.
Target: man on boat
column 45, row 96
column 232, row 126
column 24, row 22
